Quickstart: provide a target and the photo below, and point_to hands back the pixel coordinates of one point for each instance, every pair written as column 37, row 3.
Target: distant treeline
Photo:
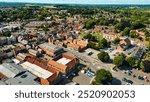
column 4, row 4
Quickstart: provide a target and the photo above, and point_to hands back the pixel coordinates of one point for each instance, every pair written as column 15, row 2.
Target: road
column 95, row 65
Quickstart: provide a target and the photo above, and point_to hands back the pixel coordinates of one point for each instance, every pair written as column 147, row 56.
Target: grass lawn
column 98, row 36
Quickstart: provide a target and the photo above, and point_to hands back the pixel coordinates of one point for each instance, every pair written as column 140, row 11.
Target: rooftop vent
column 24, row 76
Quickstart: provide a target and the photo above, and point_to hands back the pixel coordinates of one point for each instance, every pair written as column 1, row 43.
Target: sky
column 84, row 1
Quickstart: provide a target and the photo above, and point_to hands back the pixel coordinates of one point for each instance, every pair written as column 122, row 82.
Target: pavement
column 82, row 79
column 95, row 65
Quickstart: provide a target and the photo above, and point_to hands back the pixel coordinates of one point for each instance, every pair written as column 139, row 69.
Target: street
column 95, row 65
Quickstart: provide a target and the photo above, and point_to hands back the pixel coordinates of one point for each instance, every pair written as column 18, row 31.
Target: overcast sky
column 85, row 1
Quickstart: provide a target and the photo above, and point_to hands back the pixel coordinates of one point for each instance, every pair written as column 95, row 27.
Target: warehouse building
column 65, row 63
column 12, row 74
column 46, row 74
column 11, row 70
column 51, row 49
column 23, row 79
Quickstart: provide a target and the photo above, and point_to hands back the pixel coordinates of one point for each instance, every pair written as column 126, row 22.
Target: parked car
column 128, row 84
column 124, row 72
column 124, row 79
column 90, row 53
column 90, row 74
column 129, row 72
column 141, row 78
column 127, row 80
column 134, row 76
column 141, row 84
column 144, row 77
column 130, row 81
column 73, row 74
column 73, row 83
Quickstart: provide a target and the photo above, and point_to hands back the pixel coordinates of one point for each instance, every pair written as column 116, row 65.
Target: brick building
column 51, row 49
column 76, row 44
column 65, row 63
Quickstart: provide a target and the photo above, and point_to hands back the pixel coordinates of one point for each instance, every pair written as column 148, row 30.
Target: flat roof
column 16, row 61
column 33, row 51
column 24, row 79
column 10, row 70
column 22, row 55
column 36, row 70
column 63, row 61
column 2, row 83
column 50, row 46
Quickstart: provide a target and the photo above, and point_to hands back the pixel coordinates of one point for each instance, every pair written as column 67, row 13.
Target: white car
column 144, row 77
column 128, row 84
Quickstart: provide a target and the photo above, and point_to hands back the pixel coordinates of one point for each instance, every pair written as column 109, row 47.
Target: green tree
column 103, row 77
column 126, row 31
column 90, row 24
column 148, row 46
column 131, row 61
column 116, row 41
column 103, row 56
column 119, row 60
column 40, row 18
column 103, row 22
column 133, row 34
column 119, row 27
column 137, row 25
column 46, row 29
column 142, row 66
column 7, row 34
column 102, row 43
column 90, row 37
column 92, row 45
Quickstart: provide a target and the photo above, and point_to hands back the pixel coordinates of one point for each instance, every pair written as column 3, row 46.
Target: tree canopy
column 119, row 60
column 103, row 43
column 103, row 56
column 116, row 41
column 103, row 77
column 132, row 61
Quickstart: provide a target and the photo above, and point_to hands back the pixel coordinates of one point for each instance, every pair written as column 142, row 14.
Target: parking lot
column 112, row 53
column 91, row 52
column 134, row 76
column 95, row 65
column 82, row 79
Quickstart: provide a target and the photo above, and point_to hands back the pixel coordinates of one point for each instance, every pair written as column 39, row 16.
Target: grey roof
column 23, row 79
column 11, row 69
column 2, row 83
column 50, row 46
column 138, row 53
